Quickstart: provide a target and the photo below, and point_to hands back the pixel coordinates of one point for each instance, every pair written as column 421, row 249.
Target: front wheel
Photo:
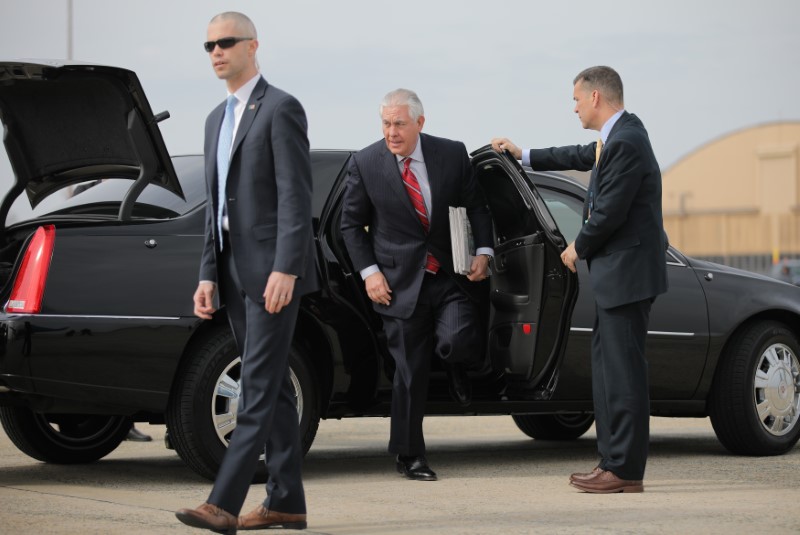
column 63, row 438
column 554, row 426
column 201, row 415
column 755, row 400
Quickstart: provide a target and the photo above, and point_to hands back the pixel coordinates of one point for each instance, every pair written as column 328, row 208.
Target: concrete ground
column 493, row 479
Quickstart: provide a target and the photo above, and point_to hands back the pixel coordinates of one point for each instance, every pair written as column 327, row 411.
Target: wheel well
column 308, row 333
column 791, row 320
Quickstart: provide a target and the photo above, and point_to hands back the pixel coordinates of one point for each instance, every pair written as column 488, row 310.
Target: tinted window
column 566, row 210
column 325, row 167
column 103, row 197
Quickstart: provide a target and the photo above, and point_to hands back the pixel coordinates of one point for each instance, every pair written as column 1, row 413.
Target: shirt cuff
column 367, row 271
column 526, row 157
column 484, row 250
column 211, row 282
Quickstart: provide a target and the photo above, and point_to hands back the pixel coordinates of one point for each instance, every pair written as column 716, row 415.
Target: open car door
column 532, row 292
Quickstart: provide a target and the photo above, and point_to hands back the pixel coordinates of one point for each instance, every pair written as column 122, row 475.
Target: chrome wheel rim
column 225, row 400
column 776, row 389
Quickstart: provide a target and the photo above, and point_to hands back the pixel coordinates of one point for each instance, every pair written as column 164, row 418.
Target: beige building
column 737, row 199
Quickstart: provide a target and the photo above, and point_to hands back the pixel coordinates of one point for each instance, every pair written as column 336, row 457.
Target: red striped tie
column 415, row 194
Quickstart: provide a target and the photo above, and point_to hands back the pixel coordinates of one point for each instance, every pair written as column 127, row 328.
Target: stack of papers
column 461, row 240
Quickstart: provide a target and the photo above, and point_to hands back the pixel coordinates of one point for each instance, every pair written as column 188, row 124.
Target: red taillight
column 26, row 297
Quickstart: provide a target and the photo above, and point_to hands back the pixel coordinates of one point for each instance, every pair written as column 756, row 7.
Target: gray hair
column 243, row 23
column 604, row 79
column 403, row 97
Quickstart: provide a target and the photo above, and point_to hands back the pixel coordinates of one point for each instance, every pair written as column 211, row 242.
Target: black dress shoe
column 460, row 386
column 415, row 468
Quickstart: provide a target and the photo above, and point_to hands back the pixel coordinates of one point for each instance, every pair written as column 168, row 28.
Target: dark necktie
column 415, row 194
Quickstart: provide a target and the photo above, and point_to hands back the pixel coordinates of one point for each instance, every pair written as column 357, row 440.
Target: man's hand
column 479, row 269
column 570, row 256
column 278, row 292
column 378, row 289
column 501, row 143
column 204, row 300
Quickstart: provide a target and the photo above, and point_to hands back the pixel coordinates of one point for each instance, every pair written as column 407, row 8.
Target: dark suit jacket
column 269, row 194
column 396, row 241
column 623, row 240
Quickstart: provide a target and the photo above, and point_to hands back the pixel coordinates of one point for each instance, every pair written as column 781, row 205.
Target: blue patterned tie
column 224, row 159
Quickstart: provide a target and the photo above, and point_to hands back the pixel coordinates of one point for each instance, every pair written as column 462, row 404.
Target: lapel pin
column 251, row 107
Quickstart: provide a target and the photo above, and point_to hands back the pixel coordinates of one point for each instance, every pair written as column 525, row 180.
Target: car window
column 566, row 210
column 102, row 196
column 325, row 168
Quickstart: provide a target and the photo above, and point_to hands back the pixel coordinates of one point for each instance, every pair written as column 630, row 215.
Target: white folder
column 461, row 240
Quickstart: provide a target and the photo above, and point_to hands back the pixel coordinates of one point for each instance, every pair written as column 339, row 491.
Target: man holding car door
column 623, row 242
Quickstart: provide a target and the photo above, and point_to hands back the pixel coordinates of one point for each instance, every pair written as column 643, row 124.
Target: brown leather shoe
column 583, row 476
column 606, row 482
column 263, row 518
column 208, row 516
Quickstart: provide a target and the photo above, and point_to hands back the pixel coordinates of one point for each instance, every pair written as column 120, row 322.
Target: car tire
column 63, row 438
column 754, row 403
column 554, row 426
column 202, row 409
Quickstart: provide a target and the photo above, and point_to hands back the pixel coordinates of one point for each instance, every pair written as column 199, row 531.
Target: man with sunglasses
column 261, row 260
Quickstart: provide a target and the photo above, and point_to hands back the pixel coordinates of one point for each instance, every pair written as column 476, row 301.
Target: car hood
column 66, row 123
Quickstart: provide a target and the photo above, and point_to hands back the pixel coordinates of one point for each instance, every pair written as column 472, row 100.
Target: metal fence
column 751, row 241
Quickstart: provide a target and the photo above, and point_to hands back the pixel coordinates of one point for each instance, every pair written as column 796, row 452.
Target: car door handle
column 508, row 301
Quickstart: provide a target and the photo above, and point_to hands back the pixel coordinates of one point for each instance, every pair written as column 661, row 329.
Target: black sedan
column 98, row 332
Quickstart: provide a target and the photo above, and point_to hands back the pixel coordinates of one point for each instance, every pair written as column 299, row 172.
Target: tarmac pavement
column 493, row 479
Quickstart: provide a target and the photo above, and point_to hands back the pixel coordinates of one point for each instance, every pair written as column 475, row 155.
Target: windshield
column 102, row 197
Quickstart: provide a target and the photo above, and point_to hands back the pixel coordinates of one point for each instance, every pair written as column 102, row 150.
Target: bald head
column 241, row 22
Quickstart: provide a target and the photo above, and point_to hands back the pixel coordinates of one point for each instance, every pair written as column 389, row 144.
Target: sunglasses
column 225, row 42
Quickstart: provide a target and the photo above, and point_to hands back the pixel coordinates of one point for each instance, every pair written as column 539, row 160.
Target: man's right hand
column 378, row 289
column 204, row 300
column 501, row 144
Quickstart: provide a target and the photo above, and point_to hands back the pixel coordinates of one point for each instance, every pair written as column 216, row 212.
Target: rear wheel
column 63, row 438
column 554, row 426
column 201, row 415
column 755, row 401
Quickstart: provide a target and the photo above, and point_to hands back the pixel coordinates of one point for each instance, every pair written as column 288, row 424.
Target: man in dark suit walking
column 624, row 243
column 259, row 254
column 395, row 224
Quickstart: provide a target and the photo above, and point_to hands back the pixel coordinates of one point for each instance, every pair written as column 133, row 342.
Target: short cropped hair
column 243, row 23
column 403, row 97
column 604, row 79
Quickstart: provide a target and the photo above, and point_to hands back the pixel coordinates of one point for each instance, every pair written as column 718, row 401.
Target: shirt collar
column 610, row 124
column 243, row 93
column 416, row 154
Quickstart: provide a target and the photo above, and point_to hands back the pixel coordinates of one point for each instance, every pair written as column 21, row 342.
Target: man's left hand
column 570, row 256
column 278, row 292
column 479, row 269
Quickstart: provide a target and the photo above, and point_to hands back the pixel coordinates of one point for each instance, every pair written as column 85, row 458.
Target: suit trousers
column 620, row 388
column 445, row 323
column 267, row 420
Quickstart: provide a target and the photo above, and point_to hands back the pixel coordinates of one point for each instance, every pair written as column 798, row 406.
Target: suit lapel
column 433, row 163
column 391, row 169
column 215, row 123
column 249, row 115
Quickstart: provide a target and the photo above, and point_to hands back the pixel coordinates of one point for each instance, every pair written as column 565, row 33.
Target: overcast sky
column 693, row 70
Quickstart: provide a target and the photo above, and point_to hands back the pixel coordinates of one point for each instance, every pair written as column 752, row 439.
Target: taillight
column 26, row 296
